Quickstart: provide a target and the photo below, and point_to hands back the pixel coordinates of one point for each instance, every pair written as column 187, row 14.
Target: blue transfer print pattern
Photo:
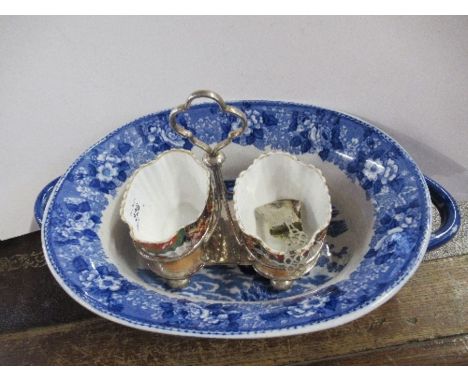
column 368, row 157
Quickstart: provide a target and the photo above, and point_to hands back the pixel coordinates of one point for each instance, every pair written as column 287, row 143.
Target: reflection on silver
column 279, row 224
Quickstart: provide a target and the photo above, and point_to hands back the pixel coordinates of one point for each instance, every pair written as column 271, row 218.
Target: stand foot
column 281, row 284
column 178, row 284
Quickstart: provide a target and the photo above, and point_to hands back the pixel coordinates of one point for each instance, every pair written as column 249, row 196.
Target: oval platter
column 378, row 236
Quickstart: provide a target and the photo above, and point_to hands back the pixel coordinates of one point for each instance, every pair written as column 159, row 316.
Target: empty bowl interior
column 280, row 176
column 166, row 195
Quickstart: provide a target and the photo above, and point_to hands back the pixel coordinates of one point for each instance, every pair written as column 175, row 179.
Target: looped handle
column 212, row 151
column 449, row 214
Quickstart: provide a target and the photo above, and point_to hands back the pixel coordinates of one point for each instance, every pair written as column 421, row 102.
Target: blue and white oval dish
column 379, row 233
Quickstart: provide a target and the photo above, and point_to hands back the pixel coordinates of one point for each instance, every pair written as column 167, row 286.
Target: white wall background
column 67, row 81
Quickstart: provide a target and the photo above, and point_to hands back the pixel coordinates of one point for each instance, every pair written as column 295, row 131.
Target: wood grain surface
column 425, row 323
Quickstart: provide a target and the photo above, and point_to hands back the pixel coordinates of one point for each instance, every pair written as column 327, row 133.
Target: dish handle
column 448, row 211
column 442, row 200
column 42, row 199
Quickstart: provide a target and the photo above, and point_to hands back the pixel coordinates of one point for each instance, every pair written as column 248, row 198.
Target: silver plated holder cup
column 168, row 206
column 283, row 208
column 209, row 231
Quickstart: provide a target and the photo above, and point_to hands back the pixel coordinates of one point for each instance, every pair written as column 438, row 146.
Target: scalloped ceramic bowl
column 165, row 196
column 167, row 207
column 378, row 234
column 279, row 176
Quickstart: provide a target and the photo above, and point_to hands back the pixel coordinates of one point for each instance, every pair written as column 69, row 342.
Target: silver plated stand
column 225, row 243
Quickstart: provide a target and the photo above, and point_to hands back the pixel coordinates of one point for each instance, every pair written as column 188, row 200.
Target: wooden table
column 425, row 323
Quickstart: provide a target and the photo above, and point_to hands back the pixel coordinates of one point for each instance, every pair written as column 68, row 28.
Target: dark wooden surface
column 426, row 323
